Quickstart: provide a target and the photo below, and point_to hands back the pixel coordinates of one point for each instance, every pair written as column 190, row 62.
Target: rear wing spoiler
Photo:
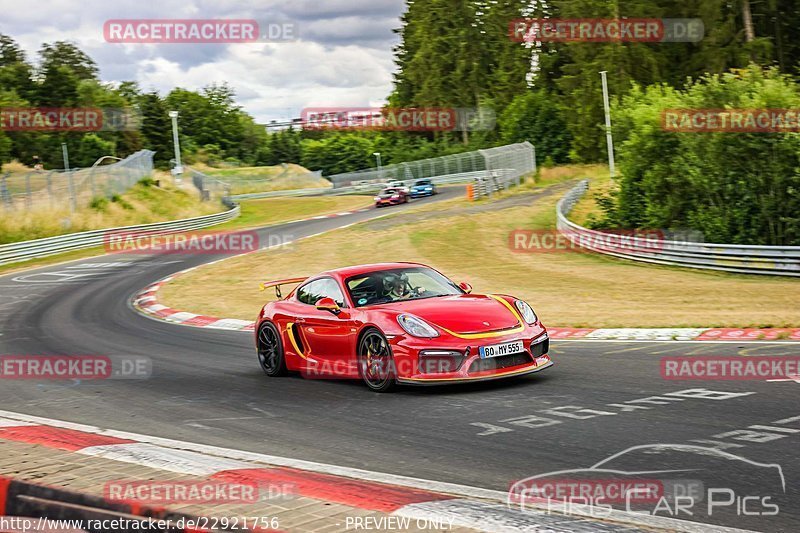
column 277, row 284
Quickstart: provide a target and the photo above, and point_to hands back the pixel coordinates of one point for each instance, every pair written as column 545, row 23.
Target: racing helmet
column 395, row 284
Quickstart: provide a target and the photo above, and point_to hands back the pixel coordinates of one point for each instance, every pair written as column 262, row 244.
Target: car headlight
column 416, row 327
column 526, row 311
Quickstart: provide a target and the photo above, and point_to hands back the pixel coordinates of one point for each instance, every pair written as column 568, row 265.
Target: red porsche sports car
column 391, row 196
column 397, row 323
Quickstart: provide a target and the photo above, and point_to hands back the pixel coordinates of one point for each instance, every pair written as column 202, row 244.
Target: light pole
column 378, row 157
column 178, row 170
column 609, row 140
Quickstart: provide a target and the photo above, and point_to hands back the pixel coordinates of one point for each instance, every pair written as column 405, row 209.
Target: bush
column 740, row 188
column 99, row 203
column 119, row 200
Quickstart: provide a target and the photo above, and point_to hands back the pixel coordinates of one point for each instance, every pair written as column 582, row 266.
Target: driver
column 396, row 286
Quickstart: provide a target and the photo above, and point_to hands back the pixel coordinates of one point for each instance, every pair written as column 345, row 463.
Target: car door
column 329, row 338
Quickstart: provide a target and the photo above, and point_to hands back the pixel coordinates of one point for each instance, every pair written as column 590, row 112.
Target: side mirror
column 327, row 304
column 466, row 287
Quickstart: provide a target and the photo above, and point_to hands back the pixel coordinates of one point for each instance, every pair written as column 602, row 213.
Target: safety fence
column 22, row 251
column 489, row 170
column 72, row 189
column 746, row 259
column 502, row 164
column 283, row 184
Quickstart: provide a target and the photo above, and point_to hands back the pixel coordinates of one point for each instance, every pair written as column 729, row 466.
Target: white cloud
column 342, row 58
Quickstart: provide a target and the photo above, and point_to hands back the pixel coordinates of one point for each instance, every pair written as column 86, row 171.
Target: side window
column 311, row 293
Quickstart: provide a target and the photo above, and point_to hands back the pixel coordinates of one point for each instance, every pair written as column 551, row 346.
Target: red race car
column 397, row 323
column 391, row 196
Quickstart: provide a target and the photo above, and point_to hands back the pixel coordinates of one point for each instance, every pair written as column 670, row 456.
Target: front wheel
column 270, row 350
column 375, row 361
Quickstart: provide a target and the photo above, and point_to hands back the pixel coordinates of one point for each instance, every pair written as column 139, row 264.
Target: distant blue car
column 423, row 187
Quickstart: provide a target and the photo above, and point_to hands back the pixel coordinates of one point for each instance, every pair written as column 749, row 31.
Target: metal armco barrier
column 21, row 251
column 744, row 259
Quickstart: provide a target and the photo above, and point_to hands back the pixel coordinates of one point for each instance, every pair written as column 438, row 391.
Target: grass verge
column 142, row 204
column 266, row 211
column 255, row 213
column 566, row 289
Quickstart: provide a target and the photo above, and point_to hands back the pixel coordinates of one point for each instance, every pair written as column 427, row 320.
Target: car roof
column 355, row 270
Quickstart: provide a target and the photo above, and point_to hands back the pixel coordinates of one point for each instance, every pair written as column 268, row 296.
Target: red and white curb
column 399, row 496
column 146, row 301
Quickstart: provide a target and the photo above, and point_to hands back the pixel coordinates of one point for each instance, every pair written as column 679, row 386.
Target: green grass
column 142, row 204
column 266, row 211
column 566, row 289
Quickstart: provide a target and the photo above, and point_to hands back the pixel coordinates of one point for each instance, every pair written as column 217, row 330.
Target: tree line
column 734, row 187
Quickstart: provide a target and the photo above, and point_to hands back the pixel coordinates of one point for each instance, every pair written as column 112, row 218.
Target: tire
column 377, row 374
column 269, row 347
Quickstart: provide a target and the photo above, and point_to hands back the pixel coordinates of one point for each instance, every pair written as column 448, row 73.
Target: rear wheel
column 375, row 361
column 270, row 350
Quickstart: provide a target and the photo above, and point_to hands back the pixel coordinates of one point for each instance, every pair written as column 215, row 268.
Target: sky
column 342, row 55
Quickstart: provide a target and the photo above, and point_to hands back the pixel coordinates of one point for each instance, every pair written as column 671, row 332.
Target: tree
column 156, row 128
column 533, row 116
column 741, row 188
column 67, row 55
column 337, row 153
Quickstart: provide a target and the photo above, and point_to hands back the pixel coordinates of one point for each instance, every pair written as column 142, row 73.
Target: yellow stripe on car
column 516, row 329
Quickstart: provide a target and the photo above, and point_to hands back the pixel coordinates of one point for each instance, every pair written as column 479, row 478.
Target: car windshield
column 423, row 182
column 400, row 284
column 389, row 191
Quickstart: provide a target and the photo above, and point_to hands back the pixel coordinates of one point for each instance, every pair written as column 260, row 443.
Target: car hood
column 465, row 313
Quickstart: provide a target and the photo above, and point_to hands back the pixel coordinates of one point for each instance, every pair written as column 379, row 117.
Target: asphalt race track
column 600, row 399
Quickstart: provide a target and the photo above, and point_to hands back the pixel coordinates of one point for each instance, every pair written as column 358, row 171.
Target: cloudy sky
column 343, row 56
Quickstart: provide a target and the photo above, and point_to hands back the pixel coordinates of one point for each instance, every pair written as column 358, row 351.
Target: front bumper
column 418, row 194
column 412, row 367
column 389, row 201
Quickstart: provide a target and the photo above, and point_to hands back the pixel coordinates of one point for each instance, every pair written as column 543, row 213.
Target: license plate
column 499, row 350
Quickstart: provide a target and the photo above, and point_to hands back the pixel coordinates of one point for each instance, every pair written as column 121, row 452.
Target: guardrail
column 22, row 251
column 362, row 188
column 744, row 259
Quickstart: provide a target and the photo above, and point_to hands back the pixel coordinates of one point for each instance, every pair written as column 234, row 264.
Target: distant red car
column 397, row 323
column 391, row 196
